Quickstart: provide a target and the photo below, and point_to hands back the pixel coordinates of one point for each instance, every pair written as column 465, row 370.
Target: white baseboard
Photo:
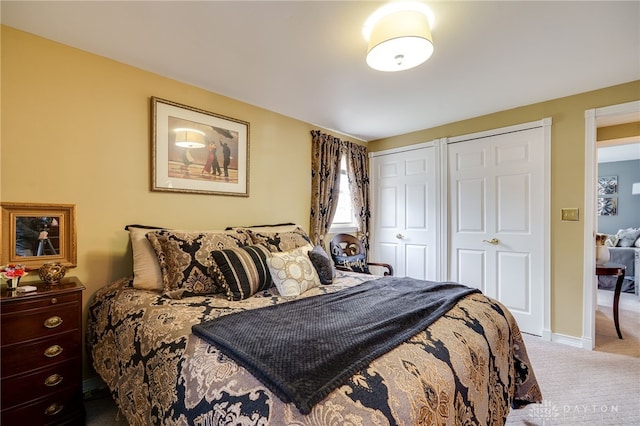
column 571, row 341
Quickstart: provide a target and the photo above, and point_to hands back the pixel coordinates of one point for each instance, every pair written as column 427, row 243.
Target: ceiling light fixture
column 399, row 36
column 189, row 138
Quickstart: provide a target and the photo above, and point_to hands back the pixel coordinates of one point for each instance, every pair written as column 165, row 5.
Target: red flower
column 13, row 270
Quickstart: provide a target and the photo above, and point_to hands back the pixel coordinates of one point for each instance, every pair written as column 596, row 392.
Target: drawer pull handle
column 53, row 409
column 53, row 380
column 53, row 322
column 52, row 351
column 54, row 300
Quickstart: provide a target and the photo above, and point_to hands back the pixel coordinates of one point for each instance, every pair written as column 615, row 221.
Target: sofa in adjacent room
column 624, row 248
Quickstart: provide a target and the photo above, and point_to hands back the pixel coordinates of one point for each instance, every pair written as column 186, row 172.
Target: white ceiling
column 629, row 151
column 306, row 59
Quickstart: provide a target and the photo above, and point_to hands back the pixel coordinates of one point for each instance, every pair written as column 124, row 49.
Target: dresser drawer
column 23, row 304
column 64, row 407
column 43, row 382
column 23, row 357
column 40, row 322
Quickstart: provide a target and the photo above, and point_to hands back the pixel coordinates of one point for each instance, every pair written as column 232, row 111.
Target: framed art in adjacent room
column 34, row 234
column 198, row 151
column 607, row 206
column 607, row 185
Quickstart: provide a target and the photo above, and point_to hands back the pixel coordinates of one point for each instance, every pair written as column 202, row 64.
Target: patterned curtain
column 358, row 174
column 325, row 183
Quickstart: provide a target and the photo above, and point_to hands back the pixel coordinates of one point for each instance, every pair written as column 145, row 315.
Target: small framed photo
column 607, row 185
column 607, row 206
column 35, row 233
column 197, row 151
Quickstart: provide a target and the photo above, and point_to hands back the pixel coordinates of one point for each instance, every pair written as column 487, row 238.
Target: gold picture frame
column 34, row 234
column 197, row 151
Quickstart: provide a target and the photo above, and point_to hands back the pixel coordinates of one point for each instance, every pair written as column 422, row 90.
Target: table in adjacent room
column 618, row 270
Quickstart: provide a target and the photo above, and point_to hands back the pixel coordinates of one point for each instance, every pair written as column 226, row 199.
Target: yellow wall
column 619, row 131
column 567, row 183
column 76, row 129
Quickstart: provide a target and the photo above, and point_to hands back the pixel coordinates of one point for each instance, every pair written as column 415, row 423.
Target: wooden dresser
column 41, row 355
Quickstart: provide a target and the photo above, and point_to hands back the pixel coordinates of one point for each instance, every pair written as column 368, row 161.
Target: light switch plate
column 572, row 214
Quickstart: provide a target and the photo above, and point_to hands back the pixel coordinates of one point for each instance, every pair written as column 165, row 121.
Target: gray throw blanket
column 304, row 349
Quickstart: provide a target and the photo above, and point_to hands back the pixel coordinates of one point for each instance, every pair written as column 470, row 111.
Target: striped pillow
column 241, row 271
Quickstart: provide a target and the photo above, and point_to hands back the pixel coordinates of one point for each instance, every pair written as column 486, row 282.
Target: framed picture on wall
column 607, row 185
column 36, row 233
column 197, row 151
column 607, row 206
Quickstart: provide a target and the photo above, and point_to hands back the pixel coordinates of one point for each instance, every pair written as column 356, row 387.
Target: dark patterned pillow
column 280, row 241
column 323, row 264
column 242, row 271
column 356, row 263
column 184, row 258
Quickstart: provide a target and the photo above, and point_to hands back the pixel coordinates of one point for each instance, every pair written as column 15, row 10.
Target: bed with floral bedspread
column 468, row 367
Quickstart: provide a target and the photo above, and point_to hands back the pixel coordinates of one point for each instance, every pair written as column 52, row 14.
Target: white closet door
column 404, row 213
column 496, row 195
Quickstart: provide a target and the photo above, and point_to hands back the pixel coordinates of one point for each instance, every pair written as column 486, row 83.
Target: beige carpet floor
column 629, row 315
column 581, row 387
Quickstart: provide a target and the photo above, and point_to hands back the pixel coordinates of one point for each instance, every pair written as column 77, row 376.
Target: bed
column 468, row 366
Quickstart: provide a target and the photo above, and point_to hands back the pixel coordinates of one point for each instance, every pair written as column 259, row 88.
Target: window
column 344, row 219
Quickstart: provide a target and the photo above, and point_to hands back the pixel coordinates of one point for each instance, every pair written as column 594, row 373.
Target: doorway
column 595, row 118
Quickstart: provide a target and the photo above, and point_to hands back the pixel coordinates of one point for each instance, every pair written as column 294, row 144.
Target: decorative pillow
column 281, row 241
column 323, row 264
column 611, row 241
column 356, row 263
column 146, row 269
column 628, row 237
column 279, row 227
column 185, row 257
column 242, row 271
column 292, row 272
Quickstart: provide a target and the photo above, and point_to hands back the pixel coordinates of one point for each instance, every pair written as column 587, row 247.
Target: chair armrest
column 388, row 272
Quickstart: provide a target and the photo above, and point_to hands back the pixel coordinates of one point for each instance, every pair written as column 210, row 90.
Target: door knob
column 399, row 236
column 493, row 241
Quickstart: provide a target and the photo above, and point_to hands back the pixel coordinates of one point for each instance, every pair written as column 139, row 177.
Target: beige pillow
column 292, row 272
column 146, row 269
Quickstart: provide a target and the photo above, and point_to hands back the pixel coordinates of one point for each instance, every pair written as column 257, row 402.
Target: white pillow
column 611, row 241
column 146, row 268
column 628, row 237
column 292, row 272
